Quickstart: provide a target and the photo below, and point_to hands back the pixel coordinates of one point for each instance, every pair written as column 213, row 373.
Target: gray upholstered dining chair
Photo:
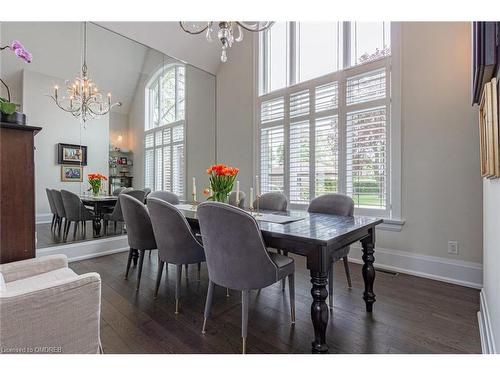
column 232, row 199
column 166, row 196
column 177, row 243
column 334, row 204
column 116, row 216
column 58, row 202
column 118, row 190
column 237, row 257
column 52, row 207
column 273, row 201
column 76, row 212
column 147, row 191
column 139, row 230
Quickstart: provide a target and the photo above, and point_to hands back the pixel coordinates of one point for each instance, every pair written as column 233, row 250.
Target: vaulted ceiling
column 168, row 37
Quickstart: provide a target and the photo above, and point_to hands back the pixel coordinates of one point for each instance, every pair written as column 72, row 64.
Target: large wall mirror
column 161, row 135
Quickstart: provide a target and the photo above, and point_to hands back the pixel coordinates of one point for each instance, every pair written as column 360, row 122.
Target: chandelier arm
column 181, row 23
column 61, row 107
column 258, row 30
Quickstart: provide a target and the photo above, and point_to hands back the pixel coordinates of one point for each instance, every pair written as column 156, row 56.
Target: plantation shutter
column 272, row 145
column 366, row 169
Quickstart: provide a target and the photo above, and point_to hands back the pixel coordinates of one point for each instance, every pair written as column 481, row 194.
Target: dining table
column 317, row 237
column 100, row 204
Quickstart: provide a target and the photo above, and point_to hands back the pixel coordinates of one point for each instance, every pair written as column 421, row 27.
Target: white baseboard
column 451, row 271
column 43, row 218
column 485, row 332
column 88, row 249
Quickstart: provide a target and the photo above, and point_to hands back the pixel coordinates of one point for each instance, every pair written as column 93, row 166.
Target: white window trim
column 393, row 219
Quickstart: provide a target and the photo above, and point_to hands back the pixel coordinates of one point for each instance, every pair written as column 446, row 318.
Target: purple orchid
column 20, row 51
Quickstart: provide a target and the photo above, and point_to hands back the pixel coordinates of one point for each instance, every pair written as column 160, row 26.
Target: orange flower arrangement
column 221, row 178
column 95, row 181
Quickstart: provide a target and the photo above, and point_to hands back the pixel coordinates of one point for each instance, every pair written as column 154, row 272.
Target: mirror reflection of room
column 140, row 144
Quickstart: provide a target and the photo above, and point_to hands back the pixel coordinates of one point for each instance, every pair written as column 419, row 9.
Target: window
column 328, row 129
column 164, row 130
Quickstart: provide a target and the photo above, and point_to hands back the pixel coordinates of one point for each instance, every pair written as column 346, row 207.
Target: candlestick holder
column 195, row 203
column 257, row 200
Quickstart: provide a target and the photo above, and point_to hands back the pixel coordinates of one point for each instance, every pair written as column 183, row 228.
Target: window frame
column 392, row 64
column 156, row 77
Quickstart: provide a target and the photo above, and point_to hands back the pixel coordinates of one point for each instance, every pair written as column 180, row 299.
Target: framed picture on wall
column 489, row 131
column 71, row 173
column 71, row 154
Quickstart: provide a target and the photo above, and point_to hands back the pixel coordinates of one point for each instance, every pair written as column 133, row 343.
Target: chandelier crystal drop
column 228, row 31
column 83, row 98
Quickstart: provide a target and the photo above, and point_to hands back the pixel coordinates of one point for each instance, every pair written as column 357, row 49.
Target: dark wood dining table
column 317, row 236
column 100, row 205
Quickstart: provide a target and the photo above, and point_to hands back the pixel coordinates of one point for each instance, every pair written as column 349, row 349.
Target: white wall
column 119, row 130
column 441, row 183
column 235, row 100
column 491, row 283
column 60, row 127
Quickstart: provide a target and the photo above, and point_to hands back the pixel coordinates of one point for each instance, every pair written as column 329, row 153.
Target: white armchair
column 45, row 307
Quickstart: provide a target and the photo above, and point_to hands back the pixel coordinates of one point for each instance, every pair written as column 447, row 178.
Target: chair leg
column 53, row 221
column 244, row 318
column 178, row 287
column 68, row 222
column 330, row 287
column 75, row 228
column 186, row 265
column 105, row 225
column 347, row 271
column 208, row 305
column 129, row 261
column 291, row 290
column 150, row 253
column 114, row 227
column 141, row 261
column 199, row 271
column 227, row 293
column 158, row 277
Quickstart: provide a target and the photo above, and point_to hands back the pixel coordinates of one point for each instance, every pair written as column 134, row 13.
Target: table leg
column 319, row 311
column 368, row 271
column 97, row 227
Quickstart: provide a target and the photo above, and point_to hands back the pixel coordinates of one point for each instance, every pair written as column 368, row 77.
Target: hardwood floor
column 411, row 315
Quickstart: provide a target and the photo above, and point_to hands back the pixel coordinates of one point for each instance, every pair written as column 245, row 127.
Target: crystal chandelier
column 83, row 99
column 226, row 31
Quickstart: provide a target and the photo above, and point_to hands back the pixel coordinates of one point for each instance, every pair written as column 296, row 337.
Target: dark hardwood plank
column 413, row 315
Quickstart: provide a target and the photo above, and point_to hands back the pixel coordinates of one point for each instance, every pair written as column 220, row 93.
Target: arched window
column 164, row 129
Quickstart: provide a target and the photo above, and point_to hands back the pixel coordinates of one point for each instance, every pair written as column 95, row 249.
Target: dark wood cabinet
column 17, row 192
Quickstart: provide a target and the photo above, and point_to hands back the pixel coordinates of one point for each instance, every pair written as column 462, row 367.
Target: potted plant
column 95, row 181
column 7, row 108
column 221, row 179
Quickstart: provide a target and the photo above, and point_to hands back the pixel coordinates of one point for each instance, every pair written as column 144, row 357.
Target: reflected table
column 317, row 237
column 100, row 204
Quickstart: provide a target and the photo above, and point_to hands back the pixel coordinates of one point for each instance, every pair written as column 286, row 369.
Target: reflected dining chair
column 52, row 207
column 147, row 191
column 177, row 243
column 232, row 199
column 237, row 257
column 139, row 230
column 118, row 190
column 166, row 196
column 61, row 213
column 76, row 213
column 116, row 216
column 334, row 204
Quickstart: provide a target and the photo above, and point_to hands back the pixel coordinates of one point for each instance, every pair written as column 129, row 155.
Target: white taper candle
column 238, row 191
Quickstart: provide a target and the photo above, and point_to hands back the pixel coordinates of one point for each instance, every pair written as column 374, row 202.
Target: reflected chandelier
column 83, row 99
column 226, row 31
